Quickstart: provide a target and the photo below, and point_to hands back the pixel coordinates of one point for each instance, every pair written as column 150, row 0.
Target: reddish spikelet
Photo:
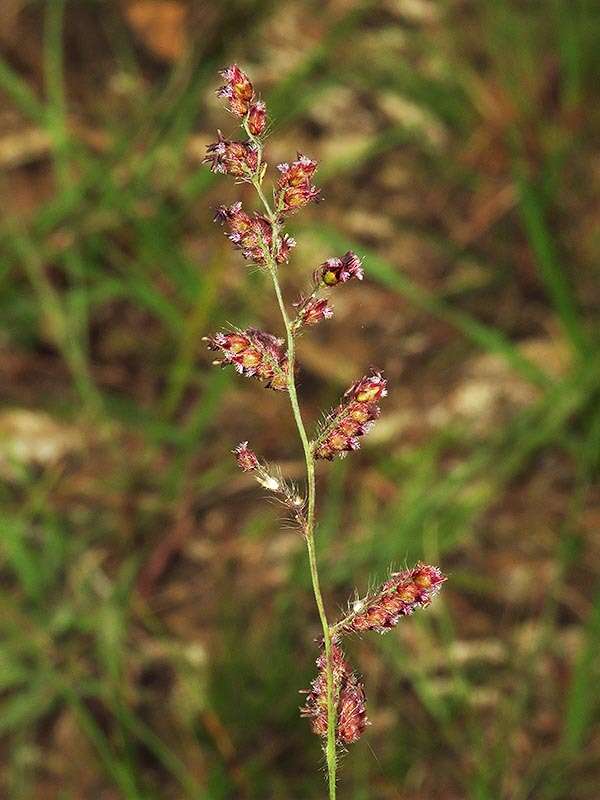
column 257, row 118
column 311, row 311
column 353, row 417
column 351, row 715
column 398, row 597
column 238, row 91
column 285, row 244
column 253, row 353
column 315, row 707
column 246, row 458
column 239, row 159
column 349, row 699
column 253, row 235
column 294, row 188
column 339, row 270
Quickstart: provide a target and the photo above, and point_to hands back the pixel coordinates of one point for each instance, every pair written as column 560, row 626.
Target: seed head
column 285, row 244
column 257, row 118
column 253, row 235
column 253, row 353
column 398, row 597
column 312, row 310
column 339, row 270
column 239, row 159
column 238, row 91
column 353, row 417
column 294, row 188
column 246, row 458
column 349, row 699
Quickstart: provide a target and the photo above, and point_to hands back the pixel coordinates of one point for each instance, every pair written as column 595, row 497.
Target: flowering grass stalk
column 335, row 703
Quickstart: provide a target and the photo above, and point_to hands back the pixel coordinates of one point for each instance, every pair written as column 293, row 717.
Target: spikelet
column 237, row 90
column 294, row 188
column 311, row 310
column 245, row 457
column 339, row 270
column 257, row 118
column 351, row 714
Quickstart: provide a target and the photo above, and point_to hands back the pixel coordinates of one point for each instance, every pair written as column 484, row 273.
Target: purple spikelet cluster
column 349, row 698
column 352, row 418
column 253, row 353
column 253, row 235
column 399, row 596
column 238, row 159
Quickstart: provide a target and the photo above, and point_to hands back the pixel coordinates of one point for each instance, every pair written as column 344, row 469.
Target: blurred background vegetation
column 156, row 624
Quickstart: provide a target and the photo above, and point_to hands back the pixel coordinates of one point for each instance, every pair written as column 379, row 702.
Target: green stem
column 310, row 537
column 309, row 532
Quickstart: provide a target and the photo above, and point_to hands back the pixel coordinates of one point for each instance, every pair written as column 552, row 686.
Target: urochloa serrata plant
column 335, row 702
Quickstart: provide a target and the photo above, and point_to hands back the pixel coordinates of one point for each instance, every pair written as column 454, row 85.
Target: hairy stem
column 309, row 532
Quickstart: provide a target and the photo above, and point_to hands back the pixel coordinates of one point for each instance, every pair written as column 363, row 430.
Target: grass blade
column 490, row 339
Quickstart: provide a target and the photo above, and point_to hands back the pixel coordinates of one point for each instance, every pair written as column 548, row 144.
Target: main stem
column 310, row 537
column 309, row 532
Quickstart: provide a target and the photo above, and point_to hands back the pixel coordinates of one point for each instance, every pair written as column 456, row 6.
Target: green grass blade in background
column 20, row 93
column 489, row 339
column 551, row 270
column 581, row 701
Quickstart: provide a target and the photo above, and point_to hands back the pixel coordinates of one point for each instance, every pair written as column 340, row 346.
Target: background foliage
column 156, row 624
